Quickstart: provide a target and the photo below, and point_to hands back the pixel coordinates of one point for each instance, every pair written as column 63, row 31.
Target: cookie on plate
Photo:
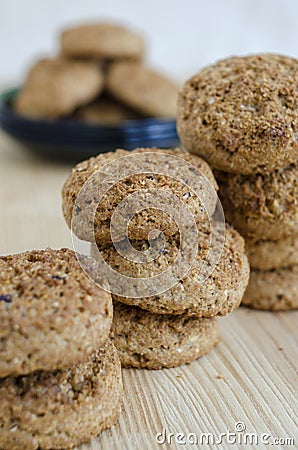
column 55, row 87
column 154, row 341
column 268, row 255
column 241, row 113
column 64, row 408
column 52, row 314
column 106, row 111
column 199, row 293
column 102, row 40
column 143, row 89
column 261, row 206
column 164, row 177
column 274, row 290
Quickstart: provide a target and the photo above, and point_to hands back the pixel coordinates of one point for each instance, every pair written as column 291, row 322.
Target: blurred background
column 183, row 35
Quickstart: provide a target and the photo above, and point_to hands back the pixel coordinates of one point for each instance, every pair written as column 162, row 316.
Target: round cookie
column 268, row 255
column 55, row 87
column 274, row 290
column 261, row 206
column 62, row 409
column 105, row 111
column 241, row 113
column 52, row 314
column 102, row 40
column 89, row 212
column 195, row 294
column 143, row 89
column 154, row 341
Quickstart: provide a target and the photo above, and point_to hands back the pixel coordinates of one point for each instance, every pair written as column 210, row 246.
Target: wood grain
column 250, row 377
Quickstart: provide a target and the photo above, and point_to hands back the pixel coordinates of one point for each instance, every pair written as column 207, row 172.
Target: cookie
column 62, row 409
column 154, row 341
column 55, row 87
column 102, row 40
column 143, row 89
column 195, row 294
column 261, row 206
column 268, row 255
column 91, row 211
column 274, row 290
column 106, row 111
column 241, row 113
column 52, row 314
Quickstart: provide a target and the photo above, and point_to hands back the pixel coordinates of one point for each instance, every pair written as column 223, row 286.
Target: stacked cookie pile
column 161, row 319
column 60, row 375
column 98, row 77
column 241, row 115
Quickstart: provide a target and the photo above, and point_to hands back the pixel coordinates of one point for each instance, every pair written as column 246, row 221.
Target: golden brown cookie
column 64, row 408
column 143, row 89
column 55, row 87
column 268, row 255
column 106, row 111
column 261, row 206
column 155, row 341
column 102, row 40
column 275, row 290
column 198, row 293
column 241, row 113
column 52, row 314
column 169, row 179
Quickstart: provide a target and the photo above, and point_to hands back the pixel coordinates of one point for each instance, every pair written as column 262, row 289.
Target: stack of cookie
column 241, row 115
column 162, row 318
column 98, row 77
column 60, row 375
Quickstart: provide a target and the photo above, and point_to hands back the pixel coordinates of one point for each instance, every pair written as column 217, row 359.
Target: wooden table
column 249, row 378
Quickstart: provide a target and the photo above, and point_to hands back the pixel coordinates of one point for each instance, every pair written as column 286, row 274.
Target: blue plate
column 73, row 140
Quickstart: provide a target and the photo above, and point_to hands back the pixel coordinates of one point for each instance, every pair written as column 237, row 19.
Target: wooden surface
column 249, row 378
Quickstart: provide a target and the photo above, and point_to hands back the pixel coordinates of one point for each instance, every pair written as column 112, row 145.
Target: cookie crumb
column 220, row 377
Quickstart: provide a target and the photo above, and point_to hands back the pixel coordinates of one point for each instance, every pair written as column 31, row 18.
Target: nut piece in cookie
column 154, row 341
column 241, row 113
column 64, row 408
column 102, row 40
column 52, row 314
column 56, row 87
column 143, row 89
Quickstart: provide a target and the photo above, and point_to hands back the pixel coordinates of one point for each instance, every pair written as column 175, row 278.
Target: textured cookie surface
column 274, row 290
column 143, row 89
column 195, row 294
column 106, row 111
column 45, row 410
column 55, row 87
column 268, row 255
column 91, row 211
column 102, row 40
column 52, row 314
column 154, row 341
column 262, row 206
column 241, row 113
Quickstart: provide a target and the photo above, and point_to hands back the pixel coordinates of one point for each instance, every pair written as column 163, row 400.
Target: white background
column 183, row 34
